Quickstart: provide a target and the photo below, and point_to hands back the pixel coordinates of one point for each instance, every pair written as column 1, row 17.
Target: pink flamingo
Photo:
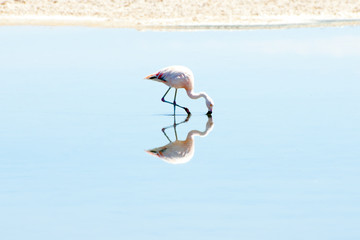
column 180, row 77
column 179, row 151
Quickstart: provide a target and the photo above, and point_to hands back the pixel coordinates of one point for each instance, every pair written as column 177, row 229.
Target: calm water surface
column 280, row 159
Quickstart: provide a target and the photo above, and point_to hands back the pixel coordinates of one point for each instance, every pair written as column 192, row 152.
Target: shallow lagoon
column 281, row 161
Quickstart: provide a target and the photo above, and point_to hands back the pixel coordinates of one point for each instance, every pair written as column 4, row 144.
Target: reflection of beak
column 155, row 153
column 151, row 152
column 151, row 76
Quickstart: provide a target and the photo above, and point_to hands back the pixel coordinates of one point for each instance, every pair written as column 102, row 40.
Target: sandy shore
column 181, row 14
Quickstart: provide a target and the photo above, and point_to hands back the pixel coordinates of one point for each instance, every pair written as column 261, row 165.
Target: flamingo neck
column 193, row 95
column 194, row 133
column 208, row 129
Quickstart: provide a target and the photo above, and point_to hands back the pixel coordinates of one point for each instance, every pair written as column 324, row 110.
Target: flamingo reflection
column 179, row 152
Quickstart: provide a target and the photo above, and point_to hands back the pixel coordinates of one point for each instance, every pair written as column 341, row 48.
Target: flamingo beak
column 151, row 76
column 209, row 113
column 152, row 152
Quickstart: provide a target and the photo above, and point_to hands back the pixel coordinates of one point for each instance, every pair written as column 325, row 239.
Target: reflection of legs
column 174, row 126
column 186, row 119
column 174, row 103
column 163, row 130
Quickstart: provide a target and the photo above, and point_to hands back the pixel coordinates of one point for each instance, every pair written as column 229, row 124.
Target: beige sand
column 181, row 14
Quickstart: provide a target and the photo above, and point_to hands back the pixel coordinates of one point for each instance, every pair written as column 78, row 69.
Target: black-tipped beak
column 151, row 76
column 209, row 113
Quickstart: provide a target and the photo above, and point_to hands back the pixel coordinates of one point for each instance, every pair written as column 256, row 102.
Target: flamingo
column 180, row 77
column 178, row 151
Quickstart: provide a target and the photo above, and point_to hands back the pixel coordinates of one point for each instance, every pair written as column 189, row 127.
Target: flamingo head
column 156, row 77
column 151, row 76
column 209, row 105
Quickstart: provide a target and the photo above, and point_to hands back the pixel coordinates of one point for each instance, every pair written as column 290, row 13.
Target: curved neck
column 208, row 129
column 193, row 95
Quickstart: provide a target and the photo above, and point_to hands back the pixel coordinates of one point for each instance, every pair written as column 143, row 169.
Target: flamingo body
column 180, row 77
column 179, row 152
column 176, row 77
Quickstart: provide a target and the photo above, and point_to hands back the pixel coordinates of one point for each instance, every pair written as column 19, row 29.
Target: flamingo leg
column 163, row 98
column 174, row 103
column 163, row 130
column 174, row 126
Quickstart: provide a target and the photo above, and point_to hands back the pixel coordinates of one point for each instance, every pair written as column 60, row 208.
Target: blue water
column 281, row 160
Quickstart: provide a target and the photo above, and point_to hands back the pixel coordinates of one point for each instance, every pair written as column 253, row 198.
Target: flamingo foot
column 187, row 111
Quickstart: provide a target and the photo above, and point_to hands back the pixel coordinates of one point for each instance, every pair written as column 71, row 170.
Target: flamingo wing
column 177, row 76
